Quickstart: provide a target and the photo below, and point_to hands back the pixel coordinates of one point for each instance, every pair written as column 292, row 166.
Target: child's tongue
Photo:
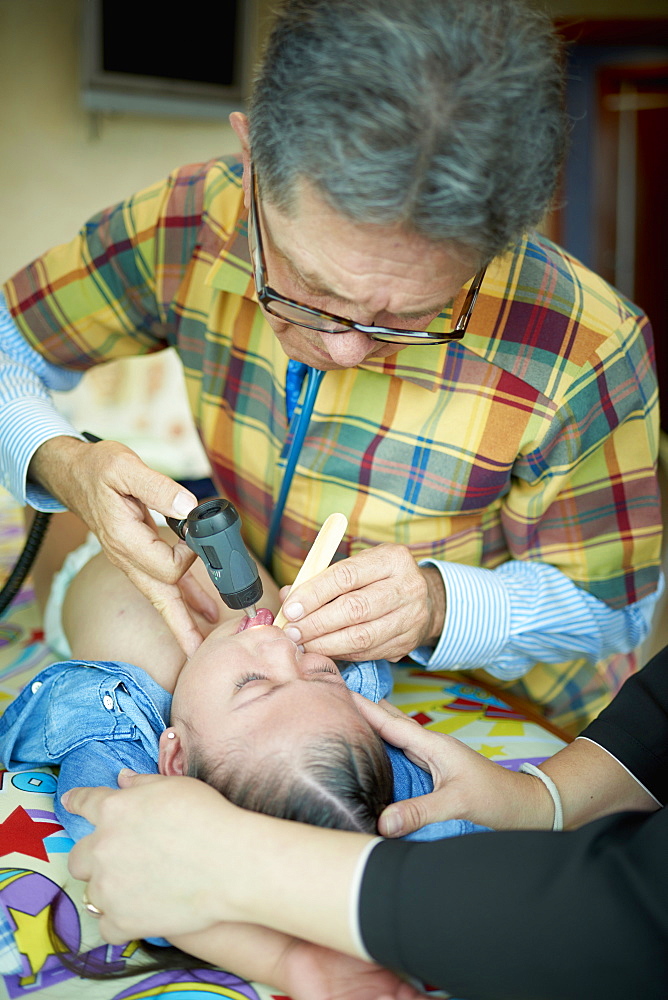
column 263, row 617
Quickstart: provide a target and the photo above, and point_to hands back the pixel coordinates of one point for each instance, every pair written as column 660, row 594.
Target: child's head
column 277, row 731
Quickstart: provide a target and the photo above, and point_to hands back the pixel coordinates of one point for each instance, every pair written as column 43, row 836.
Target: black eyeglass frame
column 390, row 335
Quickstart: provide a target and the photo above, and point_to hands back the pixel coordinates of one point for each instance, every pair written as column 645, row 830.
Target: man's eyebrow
column 316, row 283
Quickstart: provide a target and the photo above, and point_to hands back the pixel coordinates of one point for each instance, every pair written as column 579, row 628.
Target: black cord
column 30, row 549
column 38, row 528
column 25, row 560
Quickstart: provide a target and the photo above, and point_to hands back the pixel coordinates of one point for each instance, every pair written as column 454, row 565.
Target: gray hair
column 445, row 116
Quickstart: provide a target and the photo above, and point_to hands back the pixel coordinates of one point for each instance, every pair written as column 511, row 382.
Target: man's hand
column 466, row 784
column 154, row 826
column 112, row 491
column 378, row 604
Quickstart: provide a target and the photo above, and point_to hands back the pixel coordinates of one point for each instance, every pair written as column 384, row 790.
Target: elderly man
column 481, row 406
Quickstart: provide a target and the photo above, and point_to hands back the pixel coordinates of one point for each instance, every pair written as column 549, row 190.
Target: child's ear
column 171, row 757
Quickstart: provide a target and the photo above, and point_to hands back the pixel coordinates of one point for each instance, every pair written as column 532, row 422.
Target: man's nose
column 348, row 349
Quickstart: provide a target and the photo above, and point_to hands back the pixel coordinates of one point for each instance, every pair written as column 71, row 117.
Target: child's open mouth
column 263, row 617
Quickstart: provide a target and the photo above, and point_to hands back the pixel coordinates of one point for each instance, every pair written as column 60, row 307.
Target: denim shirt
column 94, row 718
column 91, row 719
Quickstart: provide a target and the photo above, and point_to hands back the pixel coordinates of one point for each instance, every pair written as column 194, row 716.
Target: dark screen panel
column 140, row 38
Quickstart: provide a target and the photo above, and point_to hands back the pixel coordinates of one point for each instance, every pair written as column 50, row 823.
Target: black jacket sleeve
column 526, row 915
column 540, row 916
column 634, row 726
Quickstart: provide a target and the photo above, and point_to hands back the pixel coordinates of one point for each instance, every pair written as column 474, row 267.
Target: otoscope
column 211, row 530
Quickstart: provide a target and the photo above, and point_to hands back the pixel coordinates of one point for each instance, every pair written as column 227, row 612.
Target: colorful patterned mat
column 35, row 885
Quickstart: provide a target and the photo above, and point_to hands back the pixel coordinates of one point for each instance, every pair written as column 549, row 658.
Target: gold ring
column 91, row 907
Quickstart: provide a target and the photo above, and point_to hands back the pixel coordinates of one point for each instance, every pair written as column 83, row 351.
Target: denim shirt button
column 108, row 702
column 35, row 686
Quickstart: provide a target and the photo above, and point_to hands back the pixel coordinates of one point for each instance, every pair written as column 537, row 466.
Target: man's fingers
column 343, row 577
column 371, row 605
column 126, row 472
column 199, row 600
column 386, row 636
column 168, row 601
column 155, row 568
column 137, row 544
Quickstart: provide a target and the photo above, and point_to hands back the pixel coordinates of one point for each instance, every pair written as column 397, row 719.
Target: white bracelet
column 558, row 823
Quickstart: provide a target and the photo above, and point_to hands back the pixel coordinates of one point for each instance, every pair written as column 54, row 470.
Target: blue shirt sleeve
column 98, row 764
column 28, row 416
column 507, row 619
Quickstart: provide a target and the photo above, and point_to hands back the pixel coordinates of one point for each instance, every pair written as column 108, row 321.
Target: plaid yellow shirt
column 535, row 438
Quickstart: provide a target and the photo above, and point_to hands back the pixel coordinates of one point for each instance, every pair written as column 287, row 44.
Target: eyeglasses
column 325, row 322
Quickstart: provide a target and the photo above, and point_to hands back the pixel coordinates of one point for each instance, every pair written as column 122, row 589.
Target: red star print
column 20, row 833
column 422, row 718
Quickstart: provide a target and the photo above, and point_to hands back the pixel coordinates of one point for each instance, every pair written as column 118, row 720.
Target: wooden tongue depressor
column 320, row 555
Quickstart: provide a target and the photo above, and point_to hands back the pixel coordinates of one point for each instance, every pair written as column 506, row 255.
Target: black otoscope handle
column 212, row 530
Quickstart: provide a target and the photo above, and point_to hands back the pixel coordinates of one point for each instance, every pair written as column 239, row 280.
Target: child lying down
column 274, row 729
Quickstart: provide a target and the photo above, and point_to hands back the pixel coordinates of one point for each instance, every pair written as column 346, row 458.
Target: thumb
column 409, row 815
column 155, row 490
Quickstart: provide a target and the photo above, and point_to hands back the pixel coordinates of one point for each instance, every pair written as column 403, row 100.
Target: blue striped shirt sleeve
column 507, row 619
column 28, row 416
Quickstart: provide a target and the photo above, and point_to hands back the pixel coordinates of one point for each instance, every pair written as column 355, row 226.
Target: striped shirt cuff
column 27, row 424
column 477, row 619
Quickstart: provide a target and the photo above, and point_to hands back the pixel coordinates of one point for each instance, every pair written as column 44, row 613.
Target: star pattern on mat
column 34, row 940
column 21, row 834
column 491, row 751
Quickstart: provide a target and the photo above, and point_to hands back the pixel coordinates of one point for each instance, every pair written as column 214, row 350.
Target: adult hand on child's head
column 151, row 861
column 378, row 604
column 112, row 491
column 466, row 784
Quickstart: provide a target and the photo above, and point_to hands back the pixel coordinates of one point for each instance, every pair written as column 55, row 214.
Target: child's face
column 257, row 689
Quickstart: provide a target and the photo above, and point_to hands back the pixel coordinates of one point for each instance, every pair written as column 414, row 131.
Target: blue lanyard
column 298, row 427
